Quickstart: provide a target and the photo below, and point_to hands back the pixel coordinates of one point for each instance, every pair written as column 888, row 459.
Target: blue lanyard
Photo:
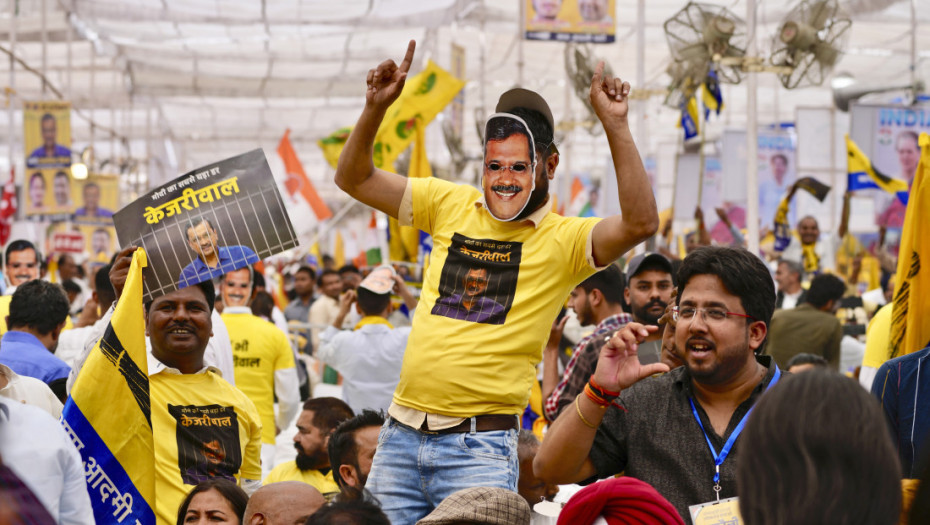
column 725, row 451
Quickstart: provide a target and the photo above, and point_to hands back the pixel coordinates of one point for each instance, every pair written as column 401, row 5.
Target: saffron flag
column 910, row 322
column 297, row 180
column 689, row 117
column 108, row 415
column 861, row 174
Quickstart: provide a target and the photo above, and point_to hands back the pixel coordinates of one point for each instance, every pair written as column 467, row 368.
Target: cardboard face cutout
column 509, row 166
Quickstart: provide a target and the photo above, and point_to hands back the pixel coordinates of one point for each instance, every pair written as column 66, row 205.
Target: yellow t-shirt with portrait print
column 259, row 350
column 203, row 428
column 288, row 471
column 489, row 297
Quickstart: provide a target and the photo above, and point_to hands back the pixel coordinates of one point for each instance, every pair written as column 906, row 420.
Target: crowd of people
column 539, row 353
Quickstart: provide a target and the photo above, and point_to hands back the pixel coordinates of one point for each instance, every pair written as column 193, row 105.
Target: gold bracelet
column 583, row 419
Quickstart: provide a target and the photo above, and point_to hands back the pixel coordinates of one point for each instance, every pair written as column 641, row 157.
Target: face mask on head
column 509, row 166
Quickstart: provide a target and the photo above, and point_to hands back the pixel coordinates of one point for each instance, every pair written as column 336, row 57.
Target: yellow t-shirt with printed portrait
column 203, row 428
column 489, row 297
column 259, row 350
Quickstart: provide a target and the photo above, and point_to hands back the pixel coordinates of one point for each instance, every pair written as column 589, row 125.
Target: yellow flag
column 108, row 415
column 424, row 96
column 339, row 250
column 910, row 321
column 861, row 172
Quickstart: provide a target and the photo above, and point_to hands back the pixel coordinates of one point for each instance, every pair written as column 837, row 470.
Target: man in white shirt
column 324, row 310
column 37, row 449
column 28, row 391
column 788, row 278
column 369, row 357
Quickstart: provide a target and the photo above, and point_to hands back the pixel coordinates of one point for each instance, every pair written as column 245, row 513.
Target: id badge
column 723, row 512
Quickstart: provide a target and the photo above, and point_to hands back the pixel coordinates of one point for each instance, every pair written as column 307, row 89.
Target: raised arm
column 563, row 456
column 638, row 217
column 356, row 173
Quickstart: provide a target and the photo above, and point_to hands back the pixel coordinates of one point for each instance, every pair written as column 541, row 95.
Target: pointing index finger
column 598, row 73
column 408, row 58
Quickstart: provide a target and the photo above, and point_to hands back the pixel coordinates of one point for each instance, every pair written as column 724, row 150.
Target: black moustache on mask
column 507, row 188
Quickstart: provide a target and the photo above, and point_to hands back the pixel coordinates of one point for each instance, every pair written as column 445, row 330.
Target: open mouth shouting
column 699, row 347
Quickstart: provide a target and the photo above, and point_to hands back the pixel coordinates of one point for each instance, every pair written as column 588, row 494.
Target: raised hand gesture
column 609, row 96
column 618, row 366
column 386, row 81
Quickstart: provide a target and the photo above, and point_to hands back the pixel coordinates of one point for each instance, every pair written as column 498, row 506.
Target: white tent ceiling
column 187, row 82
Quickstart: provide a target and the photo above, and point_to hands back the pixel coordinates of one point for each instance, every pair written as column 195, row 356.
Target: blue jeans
column 413, row 471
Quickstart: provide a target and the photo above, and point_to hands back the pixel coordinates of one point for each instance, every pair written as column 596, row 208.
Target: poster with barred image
column 208, row 442
column 478, row 280
column 206, row 223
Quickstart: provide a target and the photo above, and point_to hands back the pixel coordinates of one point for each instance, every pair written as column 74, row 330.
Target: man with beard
column 263, row 361
column 597, row 302
column 660, row 429
column 351, row 450
column 315, row 424
column 465, row 381
column 648, row 292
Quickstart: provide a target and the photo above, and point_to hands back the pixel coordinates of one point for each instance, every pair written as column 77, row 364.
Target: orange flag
column 297, row 179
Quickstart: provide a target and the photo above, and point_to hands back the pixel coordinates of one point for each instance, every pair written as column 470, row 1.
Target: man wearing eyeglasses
column 678, row 431
column 454, row 418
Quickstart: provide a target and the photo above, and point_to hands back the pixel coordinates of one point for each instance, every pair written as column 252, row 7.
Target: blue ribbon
column 725, row 451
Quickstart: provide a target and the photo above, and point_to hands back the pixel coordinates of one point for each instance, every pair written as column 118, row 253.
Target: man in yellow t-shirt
column 464, row 381
column 262, row 360
column 203, row 426
column 317, row 421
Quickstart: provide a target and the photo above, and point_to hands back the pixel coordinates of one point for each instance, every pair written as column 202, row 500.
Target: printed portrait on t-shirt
column 478, row 280
column 208, row 442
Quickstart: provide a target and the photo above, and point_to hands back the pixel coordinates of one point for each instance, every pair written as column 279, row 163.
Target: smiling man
column 184, row 389
column 462, row 380
column 660, row 428
column 212, row 260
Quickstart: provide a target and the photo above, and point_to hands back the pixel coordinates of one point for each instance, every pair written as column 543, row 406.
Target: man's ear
column 257, row 519
column 348, row 475
column 595, row 297
column 757, row 332
column 552, row 162
column 626, row 294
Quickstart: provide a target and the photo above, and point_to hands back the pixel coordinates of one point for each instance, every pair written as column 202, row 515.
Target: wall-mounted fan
column 809, row 42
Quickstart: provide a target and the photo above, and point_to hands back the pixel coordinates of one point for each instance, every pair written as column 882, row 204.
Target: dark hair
column 197, row 222
column 825, row 288
column 70, row 286
column 348, row 268
column 539, row 127
column 37, row 174
column 817, row 450
column 742, row 274
column 807, row 359
column 235, row 496
column 47, row 116
column 262, row 305
column 209, row 293
column 371, row 303
column 527, row 443
column 352, row 512
column 62, row 258
column 328, row 412
column 502, row 128
column 324, row 273
column 343, row 450
column 17, row 246
column 781, row 156
column 90, row 185
column 103, row 286
column 609, row 282
column 38, row 305
column 308, row 270
column 61, row 173
column 258, row 278
column 909, row 134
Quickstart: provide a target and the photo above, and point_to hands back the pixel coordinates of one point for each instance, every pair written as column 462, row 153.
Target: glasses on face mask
column 517, row 167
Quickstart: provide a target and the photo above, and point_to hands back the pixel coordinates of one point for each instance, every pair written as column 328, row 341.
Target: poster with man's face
column 895, row 153
column 47, row 134
column 48, row 192
column 206, row 223
column 96, row 199
column 571, row 20
column 509, row 166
